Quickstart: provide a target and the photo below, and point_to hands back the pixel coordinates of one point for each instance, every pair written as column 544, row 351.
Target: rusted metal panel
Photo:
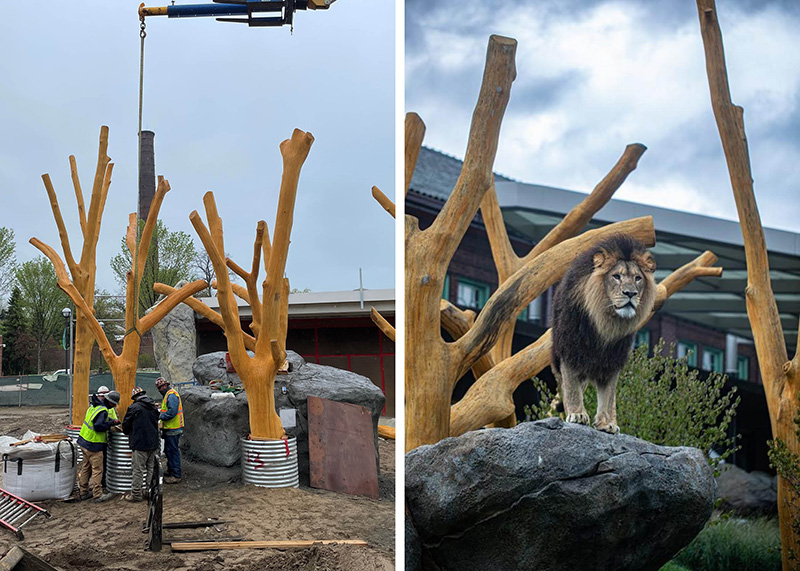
column 341, row 448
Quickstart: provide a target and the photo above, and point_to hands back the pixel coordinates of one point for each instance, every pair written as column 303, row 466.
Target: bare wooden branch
column 781, row 382
column 383, row 200
column 169, row 303
column 415, row 132
column 76, row 185
column 382, row 324
column 201, row 308
column 62, row 229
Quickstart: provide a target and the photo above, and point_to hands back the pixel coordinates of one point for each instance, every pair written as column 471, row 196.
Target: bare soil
column 85, row 535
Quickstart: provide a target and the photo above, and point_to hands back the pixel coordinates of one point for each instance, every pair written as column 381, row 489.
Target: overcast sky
column 593, row 76
column 220, row 98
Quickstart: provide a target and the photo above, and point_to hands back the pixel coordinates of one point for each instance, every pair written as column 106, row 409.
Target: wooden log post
column 123, row 366
column 83, row 270
column 270, row 311
column 780, row 376
column 428, row 361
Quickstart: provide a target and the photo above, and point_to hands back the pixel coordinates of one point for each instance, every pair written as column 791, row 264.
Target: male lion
column 597, row 308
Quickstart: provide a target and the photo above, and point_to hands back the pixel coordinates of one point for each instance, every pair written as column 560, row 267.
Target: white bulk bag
column 39, row 471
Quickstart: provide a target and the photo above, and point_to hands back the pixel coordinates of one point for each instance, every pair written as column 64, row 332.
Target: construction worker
column 171, row 429
column 141, row 426
column 92, row 440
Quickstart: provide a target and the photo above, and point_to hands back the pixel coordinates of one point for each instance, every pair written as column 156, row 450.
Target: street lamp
column 66, row 312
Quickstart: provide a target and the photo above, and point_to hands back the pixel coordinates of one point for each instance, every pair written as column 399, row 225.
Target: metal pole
column 19, row 391
column 361, row 288
column 69, row 368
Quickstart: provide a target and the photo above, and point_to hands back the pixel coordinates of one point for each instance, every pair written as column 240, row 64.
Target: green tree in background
column 16, row 353
column 170, row 260
column 787, row 463
column 42, row 301
column 8, row 262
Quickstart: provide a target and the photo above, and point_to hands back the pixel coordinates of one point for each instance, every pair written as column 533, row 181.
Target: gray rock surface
column 549, row 495
column 214, row 426
column 175, row 342
column 413, row 546
column 747, row 493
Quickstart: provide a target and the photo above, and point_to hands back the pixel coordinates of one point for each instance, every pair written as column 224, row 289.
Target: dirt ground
column 85, row 535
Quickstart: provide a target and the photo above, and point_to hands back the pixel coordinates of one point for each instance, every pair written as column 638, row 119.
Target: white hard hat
column 102, row 390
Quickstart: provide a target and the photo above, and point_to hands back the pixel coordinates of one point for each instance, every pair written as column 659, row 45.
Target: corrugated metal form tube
column 270, row 463
column 119, row 464
column 73, row 432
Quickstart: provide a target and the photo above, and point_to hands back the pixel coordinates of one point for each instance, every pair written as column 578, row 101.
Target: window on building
column 446, row 288
column 472, row 294
column 743, row 367
column 688, row 349
column 642, row 338
column 712, row 359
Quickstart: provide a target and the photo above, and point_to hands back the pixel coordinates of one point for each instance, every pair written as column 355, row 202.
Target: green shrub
column 146, row 361
column 660, row 400
column 672, row 566
column 787, row 463
column 744, row 545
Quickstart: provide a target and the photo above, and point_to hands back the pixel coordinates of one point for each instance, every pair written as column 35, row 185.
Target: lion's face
column 619, row 293
column 624, row 284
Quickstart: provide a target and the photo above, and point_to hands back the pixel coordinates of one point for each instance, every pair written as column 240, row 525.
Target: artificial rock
column 550, row 495
column 216, row 424
column 175, row 342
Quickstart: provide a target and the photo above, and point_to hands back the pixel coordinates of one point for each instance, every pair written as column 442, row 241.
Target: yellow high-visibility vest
column 177, row 420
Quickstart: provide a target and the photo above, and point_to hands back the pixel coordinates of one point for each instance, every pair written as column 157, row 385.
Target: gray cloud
column 594, row 76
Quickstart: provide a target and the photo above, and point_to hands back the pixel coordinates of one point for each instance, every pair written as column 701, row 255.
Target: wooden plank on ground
column 10, row 560
column 386, row 431
column 213, row 545
column 191, row 524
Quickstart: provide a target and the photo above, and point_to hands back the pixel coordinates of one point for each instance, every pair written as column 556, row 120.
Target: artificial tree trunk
column 780, row 376
column 270, row 311
column 83, row 271
column 80, row 287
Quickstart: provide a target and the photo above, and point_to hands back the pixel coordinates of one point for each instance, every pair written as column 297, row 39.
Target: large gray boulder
column 549, row 495
column 747, row 493
column 215, row 424
column 175, row 342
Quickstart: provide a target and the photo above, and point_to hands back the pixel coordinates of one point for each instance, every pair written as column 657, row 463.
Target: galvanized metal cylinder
column 73, row 432
column 270, row 463
column 119, row 464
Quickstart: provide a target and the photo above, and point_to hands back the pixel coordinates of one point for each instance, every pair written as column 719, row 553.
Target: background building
column 707, row 318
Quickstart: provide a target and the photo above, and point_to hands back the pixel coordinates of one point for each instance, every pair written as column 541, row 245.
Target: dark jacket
column 141, row 424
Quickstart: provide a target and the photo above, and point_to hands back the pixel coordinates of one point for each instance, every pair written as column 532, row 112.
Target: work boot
column 85, row 496
column 104, row 498
column 129, row 497
column 172, row 480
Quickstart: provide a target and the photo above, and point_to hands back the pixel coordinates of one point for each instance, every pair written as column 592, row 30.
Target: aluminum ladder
column 16, row 512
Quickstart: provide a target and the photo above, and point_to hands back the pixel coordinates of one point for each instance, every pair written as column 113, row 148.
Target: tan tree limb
column 169, row 303
column 69, row 288
column 780, row 379
column 76, row 185
column 149, row 227
column 283, row 317
column 762, row 309
column 382, row 324
column 201, row 308
column 457, row 322
column 491, row 398
column 415, row 132
column 383, row 200
column 228, row 307
column 530, row 281
column 97, row 200
column 449, row 226
column 62, row 229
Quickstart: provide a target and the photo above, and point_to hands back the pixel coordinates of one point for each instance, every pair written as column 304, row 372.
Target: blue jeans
column 173, row 454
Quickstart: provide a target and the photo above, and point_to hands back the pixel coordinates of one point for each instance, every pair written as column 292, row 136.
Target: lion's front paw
column 578, row 418
column 609, row 427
